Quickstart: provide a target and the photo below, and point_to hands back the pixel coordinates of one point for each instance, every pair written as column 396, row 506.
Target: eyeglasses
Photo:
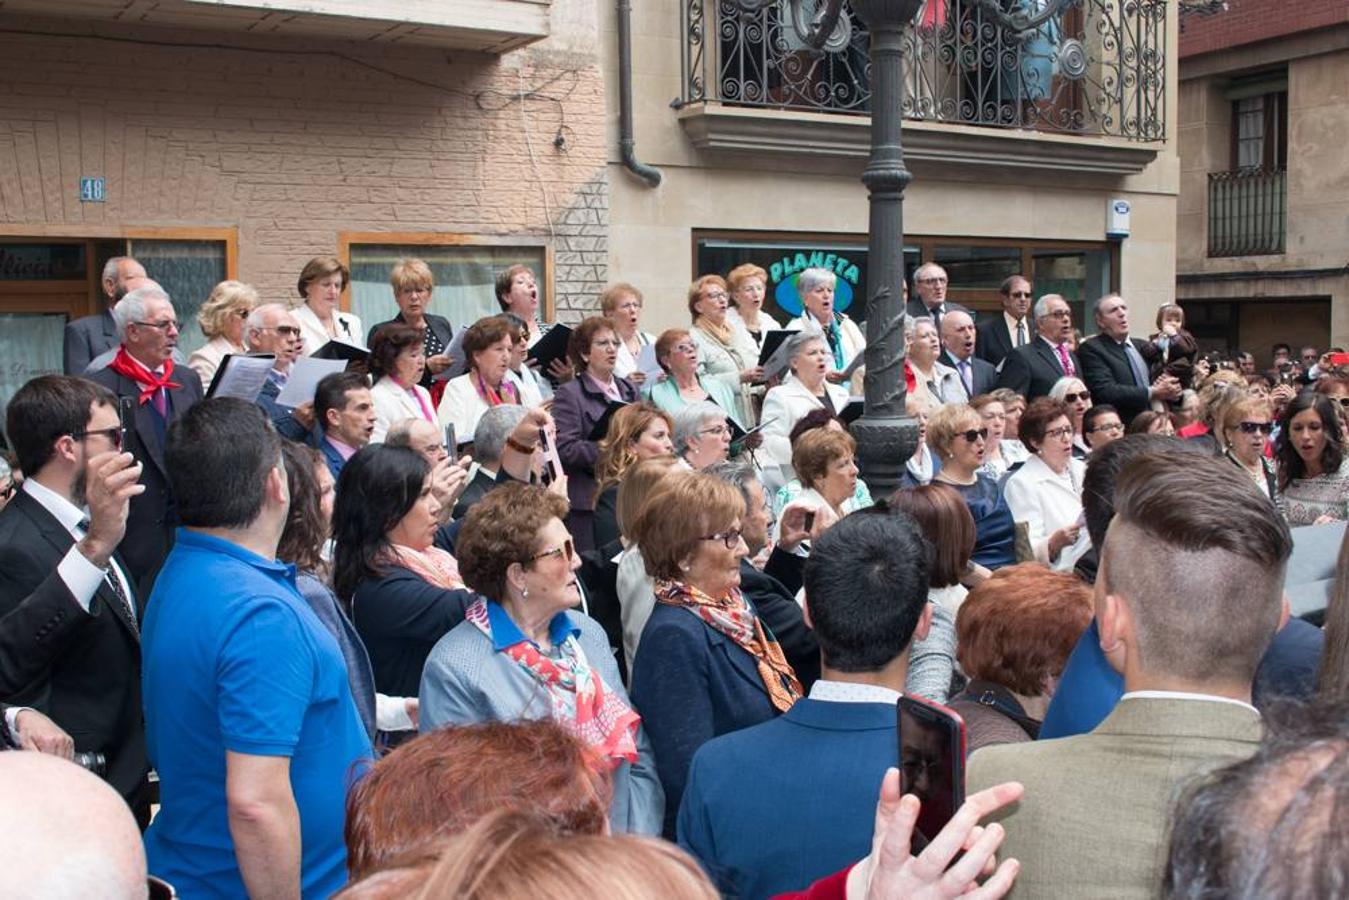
column 729, row 539
column 113, row 434
column 242, row 313
column 7, row 491
column 1343, row 401
column 1084, row 396
column 414, row 290
column 974, row 434
column 1058, row 314
column 164, row 326
column 566, row 551
column 939, row 279
column 686, row 348
column 1064, row 431
column 718, row 431
column 283, row 330
column 1256, row 427
column 611, row 344
column 1108, row 426
column 715, row 295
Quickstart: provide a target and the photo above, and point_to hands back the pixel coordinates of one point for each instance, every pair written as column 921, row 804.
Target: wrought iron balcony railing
column 1088, row 67
column 1247, row 212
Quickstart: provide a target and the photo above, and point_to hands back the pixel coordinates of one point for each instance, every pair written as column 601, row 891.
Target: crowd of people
column 494, row 615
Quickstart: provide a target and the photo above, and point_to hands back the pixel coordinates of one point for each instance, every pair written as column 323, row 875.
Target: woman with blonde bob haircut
column 412, row 286
column 222, row 319
column 959, row 436
column 707, row 664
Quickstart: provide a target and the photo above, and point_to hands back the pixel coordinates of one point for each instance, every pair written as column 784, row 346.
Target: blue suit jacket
column 332, row 457
column 690, row 684
column 774, row 807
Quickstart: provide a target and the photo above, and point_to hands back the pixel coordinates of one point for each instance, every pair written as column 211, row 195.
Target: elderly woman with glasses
column 622, row 304
column 748, row 284
column 1246, row 427
column 412, row 290
column 959, row 436
column 222, row 319
column 524, row 651
column 702, row 435
column 578, row 406
column 707, row 664
column 677, row 353
column 725, row 349
column 1073, row 394
column 1045, row 494
column 843, row 338
column 806, row 390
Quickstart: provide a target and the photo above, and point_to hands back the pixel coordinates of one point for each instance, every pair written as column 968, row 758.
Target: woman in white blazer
column 488, row 346
column 806, row 389
column 321, row 284
column 222, row 319
column 843, row 338
column 1045, row 494
column 397, row 362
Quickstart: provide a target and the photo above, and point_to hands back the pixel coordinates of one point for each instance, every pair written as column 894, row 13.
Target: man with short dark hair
column 249, row 715
column 89, row 337
column 1188, row 597
column 999, row 335
column 774, row 807
column 346, row 414
column 156, row 394
column 1033, row 369
column 1113, row 367
column 71, row 649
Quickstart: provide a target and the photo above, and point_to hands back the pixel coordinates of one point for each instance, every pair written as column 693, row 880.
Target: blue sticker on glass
column 785, row 272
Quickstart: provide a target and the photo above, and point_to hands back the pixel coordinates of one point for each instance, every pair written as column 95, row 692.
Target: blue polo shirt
column 505, row 633
column 235, row 660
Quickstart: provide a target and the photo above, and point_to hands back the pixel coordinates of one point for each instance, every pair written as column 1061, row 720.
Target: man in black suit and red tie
column 71, row 650
column 1032, row 370
column 153, row 392
column 1113, row 367
column 1000, row 334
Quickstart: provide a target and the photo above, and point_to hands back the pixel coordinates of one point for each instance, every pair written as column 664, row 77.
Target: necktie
column 935, row 312
column 110, row 577
column 1066, row 361
column 161, row 403
column 1021, row 332
column 964, row 367
column 1136, row 363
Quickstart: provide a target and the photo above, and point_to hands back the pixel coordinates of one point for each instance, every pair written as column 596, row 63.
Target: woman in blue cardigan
column 706, row 664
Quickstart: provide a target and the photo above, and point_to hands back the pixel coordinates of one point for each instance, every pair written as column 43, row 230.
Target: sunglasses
column 974, row 434
column 1256, row 427
column 113, row 434
column 1084, row 396
column 1021, row 295
column 566, row 551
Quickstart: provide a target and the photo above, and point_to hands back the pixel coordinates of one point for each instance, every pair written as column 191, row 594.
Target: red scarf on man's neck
column 128, row 366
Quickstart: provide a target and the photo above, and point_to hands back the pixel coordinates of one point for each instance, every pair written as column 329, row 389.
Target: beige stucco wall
column 653, row 246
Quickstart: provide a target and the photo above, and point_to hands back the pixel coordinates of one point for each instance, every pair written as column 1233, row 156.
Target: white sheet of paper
column 856, row 363
column 646, row 362
column 305, row 375
column 455, row 352
column 244, row 376
column 778, row 362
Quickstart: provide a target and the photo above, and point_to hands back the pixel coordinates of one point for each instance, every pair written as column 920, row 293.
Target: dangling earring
column 524, row 593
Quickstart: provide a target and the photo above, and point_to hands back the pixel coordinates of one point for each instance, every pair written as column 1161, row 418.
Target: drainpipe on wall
column 627, row 145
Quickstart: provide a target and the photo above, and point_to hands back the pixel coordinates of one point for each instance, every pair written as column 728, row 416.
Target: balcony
column 1247, row 212
column 1079, row 84
column 489, row 26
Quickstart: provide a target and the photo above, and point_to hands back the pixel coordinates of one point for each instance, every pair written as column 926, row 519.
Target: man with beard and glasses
column 74, row 654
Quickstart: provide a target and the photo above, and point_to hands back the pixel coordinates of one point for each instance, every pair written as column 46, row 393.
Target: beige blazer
column 1093, row 821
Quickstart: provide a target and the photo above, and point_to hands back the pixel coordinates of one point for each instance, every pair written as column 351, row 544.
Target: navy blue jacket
column 690, row 684
column 332, row 457
column 773, row 808
column 400, row 617
column 282, row 416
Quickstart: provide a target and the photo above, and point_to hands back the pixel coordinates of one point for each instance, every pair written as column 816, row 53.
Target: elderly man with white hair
column 844, row 339
column 930, row 283
column 152, row 394
column 273, row 328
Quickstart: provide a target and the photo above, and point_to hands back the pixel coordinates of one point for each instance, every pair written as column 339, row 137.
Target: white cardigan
column 783, row 407
column 349, row 329
column 393, row 404
column 1042, row 503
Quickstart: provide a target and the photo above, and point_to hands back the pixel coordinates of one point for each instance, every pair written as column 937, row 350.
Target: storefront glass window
column 33, row 348
column 187, row 270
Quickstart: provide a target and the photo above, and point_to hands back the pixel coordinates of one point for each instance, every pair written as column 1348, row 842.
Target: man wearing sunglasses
column 1114, row 367
column 152, row 394
column 272, row 328
column 998, row 336
column 71, row 648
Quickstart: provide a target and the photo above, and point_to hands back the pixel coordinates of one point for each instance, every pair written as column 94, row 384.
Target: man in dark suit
column 1000, row 334
column 272, row 328
column 930, row 283
column 1112, row 364
column 153, row 393
column 346, row 413
column 774, row 807
column 91, row 336
column 24, row 728
column 1032, row 370
column 72, row 650
column 958, row 340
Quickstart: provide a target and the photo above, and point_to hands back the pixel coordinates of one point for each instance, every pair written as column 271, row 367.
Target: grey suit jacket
column 1093, row 821
column 86, row 339
column 465, row 681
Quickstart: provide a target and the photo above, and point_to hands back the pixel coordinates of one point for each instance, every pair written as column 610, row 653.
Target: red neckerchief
column 127, row 366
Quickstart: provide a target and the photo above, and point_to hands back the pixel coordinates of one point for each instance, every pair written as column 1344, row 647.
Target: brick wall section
column 294, row 147
column 1251, row 21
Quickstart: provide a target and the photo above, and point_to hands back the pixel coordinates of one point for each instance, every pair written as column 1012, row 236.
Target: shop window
column 464, row 277
column 188, row 271
column 1080, row 276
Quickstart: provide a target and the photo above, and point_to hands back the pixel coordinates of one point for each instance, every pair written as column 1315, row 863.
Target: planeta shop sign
column 783, row 276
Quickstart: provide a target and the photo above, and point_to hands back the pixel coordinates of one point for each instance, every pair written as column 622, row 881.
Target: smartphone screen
column 808, row 520
column 126, row 415
column 551, row 466
column 451, row 447
column 932, row 760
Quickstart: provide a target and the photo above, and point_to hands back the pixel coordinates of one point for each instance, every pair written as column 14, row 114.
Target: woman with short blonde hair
column 413, row 288
column 222, row 319
column 959, row 436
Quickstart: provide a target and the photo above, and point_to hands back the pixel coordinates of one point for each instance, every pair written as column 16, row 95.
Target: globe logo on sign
column 785, row 273
column 789, row 298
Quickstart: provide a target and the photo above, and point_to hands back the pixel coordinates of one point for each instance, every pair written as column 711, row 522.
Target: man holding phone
column 1188, row 597
column 777, row 806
